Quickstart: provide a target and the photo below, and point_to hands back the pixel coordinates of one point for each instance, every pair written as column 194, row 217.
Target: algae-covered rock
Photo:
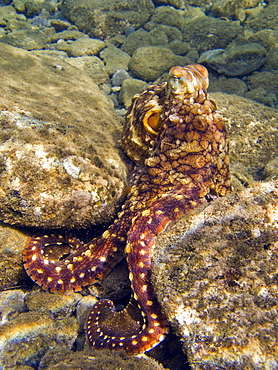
column 25, row 340
column 130, row 87
column 135, row 40
column 12, row 303
column 59, row 155
column 168, row 15
column 114, row 59
column 215, row 271
column 235, row 60
column 81, row 47
column 92, row 66
column 267, row 17
column 12, row 243
column 26, row 39
column 252, row 131
column 205, row 33
column 107, row 18
column 266, row 79
column 228, row 85
column 261, row 95
column 232, row 8
column 96, row 360
column 33, row 323
column 149, row 62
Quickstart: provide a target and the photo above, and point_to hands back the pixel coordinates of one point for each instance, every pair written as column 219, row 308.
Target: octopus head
column 187, row 80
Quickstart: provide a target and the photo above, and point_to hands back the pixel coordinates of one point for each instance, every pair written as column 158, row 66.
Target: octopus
column 178, row 142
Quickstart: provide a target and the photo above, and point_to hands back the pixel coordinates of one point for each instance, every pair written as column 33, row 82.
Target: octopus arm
column 80, row 265
column 105, row 328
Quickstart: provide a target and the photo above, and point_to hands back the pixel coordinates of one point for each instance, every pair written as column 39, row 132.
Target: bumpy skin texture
column 179, row 143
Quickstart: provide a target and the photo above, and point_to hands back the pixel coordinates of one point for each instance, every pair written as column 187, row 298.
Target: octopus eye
column 152, row 121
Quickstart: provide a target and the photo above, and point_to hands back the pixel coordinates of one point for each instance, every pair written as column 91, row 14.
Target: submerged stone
column 107, row 18
column 215, row 271
column 59, row 155
column 235, row 60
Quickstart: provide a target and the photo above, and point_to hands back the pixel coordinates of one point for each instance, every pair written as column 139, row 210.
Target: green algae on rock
column 96, row 360
column 236, row 60
column 12, row 244
column 24, row 340
column 253, row 132
column 215, row 272
column 207, row 33
column 107, row 18
column 59, row 155
column 149, row 62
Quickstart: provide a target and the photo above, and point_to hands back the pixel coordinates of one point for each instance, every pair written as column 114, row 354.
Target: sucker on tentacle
column 178, row 141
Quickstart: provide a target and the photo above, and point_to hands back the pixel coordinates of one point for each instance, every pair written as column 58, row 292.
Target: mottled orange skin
column 179, row 143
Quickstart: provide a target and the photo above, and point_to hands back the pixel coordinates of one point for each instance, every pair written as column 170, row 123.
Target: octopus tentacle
column 83, row 264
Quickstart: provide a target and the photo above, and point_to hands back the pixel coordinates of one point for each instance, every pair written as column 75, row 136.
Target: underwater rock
column 81, row 47
column 26, row 39
column 149, row 62
column 267, row 38
column 206, row 33
column 252, row 131
column 32, row 323
column 67, row 35
column 55, row 306
column 272, row 59
column 180, row 4
column 119, row 76
column 261, row 95
column 12, row 303
column 92, row 66
column 96, row 360
column 114, row 59
column 11, row 246
column 235, row 60
column 271, row 169
column 59, row 156
column 228, row 85
column 107, row 18
column 233, row 9
column 267, row 17
column 142, row 38
column 26, row 339
column 215, row 271
column 129, row 88
column 266, row 79
column 169, row 16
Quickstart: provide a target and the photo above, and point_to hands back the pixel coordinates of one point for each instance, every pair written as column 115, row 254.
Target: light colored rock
column 130, row 87
column 206, row 33
column 95, row 359
column 107, row 18
column 81, row 46
column 59, row 151
column 215, row 273
column 236, row 60
column 266, row 18
column 150, row 62
column 27, row 39
column 12, row 243
column 25, row 339
column 114, row 59
column 92, row 66
column 252, row 131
